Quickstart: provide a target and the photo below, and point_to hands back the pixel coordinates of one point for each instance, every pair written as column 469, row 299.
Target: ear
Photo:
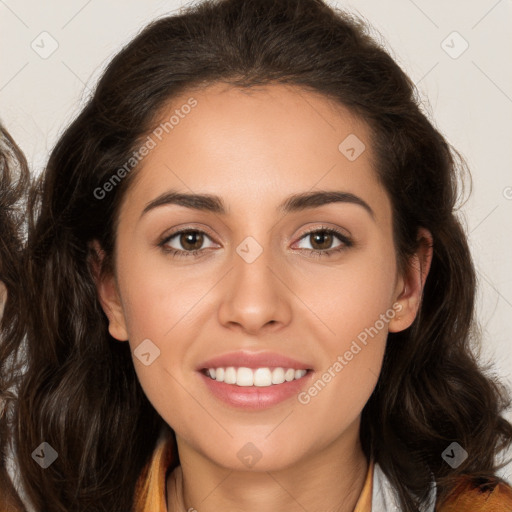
column 108, row 295
column 409, row 289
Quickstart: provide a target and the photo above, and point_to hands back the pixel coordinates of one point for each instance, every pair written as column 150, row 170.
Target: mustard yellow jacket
column 489, row 496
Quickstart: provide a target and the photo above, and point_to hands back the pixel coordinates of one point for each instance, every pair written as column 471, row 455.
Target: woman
column 254, row 373
column 14, row 178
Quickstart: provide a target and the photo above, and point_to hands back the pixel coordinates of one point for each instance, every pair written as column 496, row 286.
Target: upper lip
column 253, row 360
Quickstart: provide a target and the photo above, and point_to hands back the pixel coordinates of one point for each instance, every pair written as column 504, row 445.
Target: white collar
column 385, row 497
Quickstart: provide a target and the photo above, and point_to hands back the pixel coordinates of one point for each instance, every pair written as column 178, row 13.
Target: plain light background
column 458, row 53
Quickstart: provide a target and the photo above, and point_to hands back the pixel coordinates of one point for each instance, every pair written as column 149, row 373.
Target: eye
column 324, row 237
column 190, row 239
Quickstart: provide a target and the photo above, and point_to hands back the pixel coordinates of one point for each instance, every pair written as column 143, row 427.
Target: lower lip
column 254, row 397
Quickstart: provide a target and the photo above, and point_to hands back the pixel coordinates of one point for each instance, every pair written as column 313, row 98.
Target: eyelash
column 346, row 243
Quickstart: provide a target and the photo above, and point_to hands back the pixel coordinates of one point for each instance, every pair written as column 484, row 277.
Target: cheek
column 156, row 297
column 347, row 299
column 162, row 306
column 353, row 306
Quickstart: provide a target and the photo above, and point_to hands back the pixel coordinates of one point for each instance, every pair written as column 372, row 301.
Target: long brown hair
column 81, row 394
column 14, row 183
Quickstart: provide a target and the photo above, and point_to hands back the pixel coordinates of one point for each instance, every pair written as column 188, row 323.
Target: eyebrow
column 293, row 203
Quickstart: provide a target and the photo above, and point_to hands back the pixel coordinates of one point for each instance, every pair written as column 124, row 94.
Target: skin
column 3, row 298
column 254, row 149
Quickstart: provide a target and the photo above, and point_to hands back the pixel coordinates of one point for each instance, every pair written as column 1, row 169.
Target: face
column 272, row 279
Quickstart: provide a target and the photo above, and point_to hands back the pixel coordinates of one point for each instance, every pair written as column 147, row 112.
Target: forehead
column 264, row 142
column 258, row 120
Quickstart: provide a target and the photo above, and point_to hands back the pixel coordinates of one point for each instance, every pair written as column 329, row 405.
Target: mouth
column 254, row 380
column 263, row 377
column 255, row 389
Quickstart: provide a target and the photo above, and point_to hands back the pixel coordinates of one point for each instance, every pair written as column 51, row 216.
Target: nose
column 255, row 295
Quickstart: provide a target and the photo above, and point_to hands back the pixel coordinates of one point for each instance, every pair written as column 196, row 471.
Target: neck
column 329, row 480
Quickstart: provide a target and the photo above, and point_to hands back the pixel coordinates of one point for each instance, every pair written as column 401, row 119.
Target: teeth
column 263, row 377
column 230, row 375
column 277, row 376
column 289, row 374
column 259, row 377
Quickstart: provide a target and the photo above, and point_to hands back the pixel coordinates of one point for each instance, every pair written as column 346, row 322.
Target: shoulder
column 478, row 495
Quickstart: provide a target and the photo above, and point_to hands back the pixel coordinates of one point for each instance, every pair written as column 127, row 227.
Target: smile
column 259, row 377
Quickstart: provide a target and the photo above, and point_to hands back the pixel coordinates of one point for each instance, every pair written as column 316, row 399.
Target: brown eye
column 191, row 240
column 321, row 240
column 187, row 242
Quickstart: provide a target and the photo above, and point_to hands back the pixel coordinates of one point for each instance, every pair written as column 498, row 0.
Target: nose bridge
column 253, row 267
column 255, row 295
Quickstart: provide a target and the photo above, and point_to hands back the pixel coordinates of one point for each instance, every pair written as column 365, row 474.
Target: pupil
column 324, row 237
column 188, row 237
